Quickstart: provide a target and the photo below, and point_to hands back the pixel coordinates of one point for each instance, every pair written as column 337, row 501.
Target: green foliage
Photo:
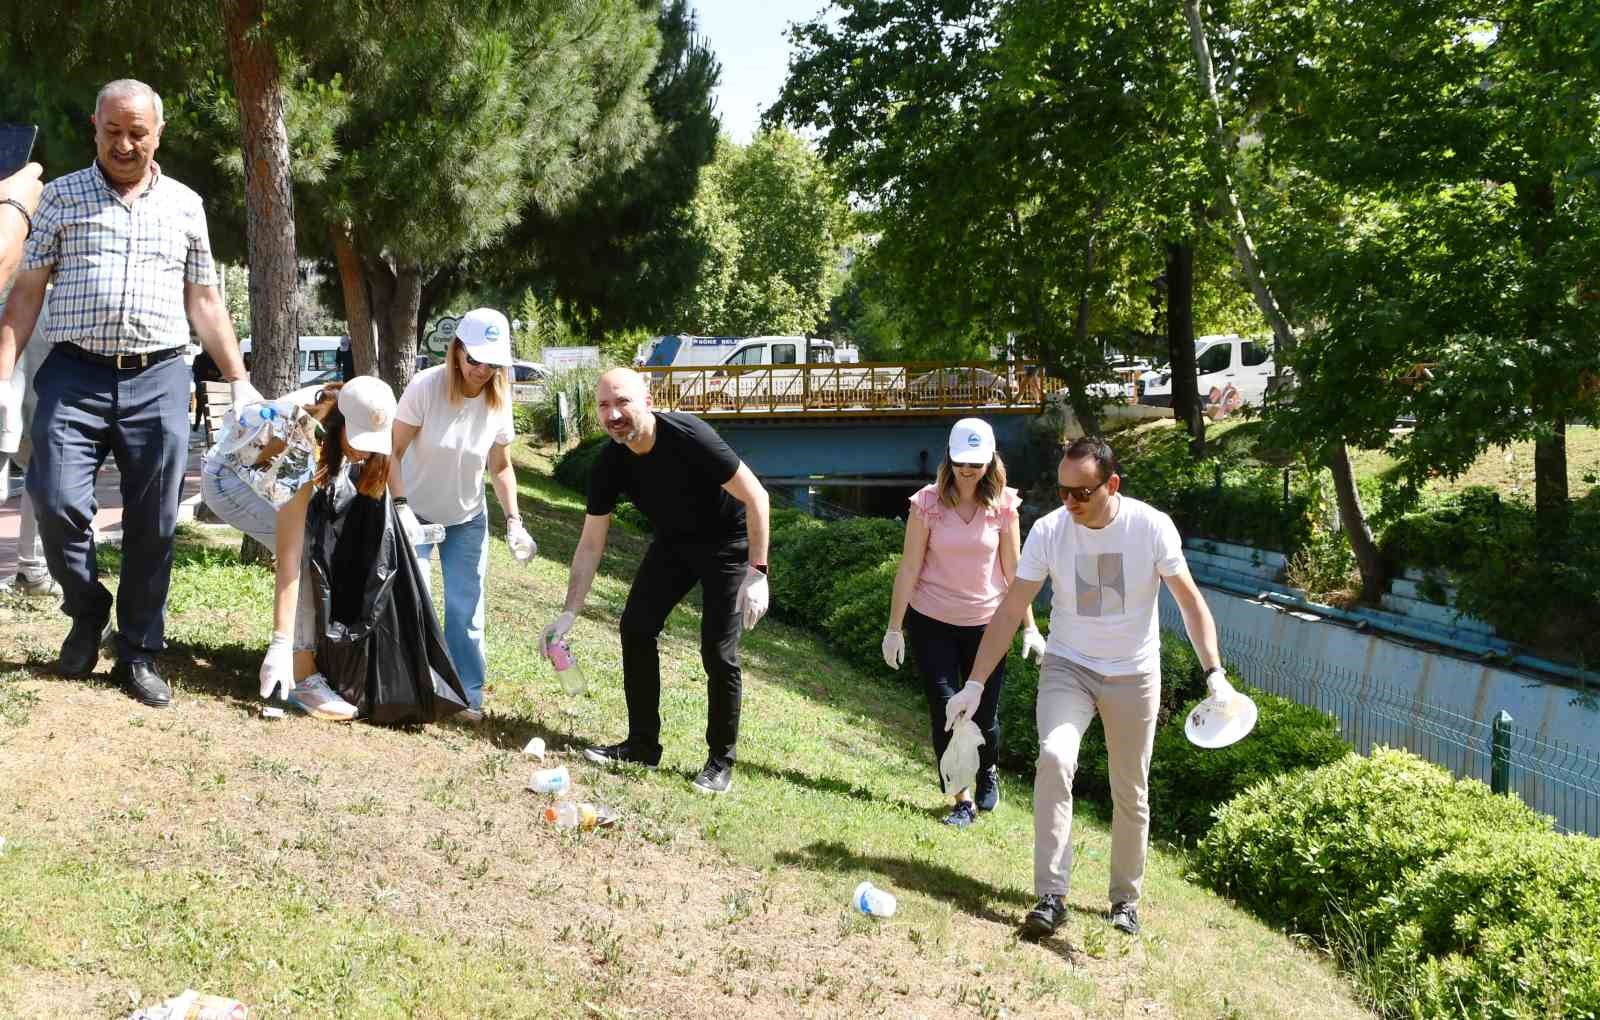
column 809, row 561
column 1308, row 848
column 860, row 610
column 1188, row 783
column 1506, row 926
column 573, row 467
column 772, row 222
column 1503, row 573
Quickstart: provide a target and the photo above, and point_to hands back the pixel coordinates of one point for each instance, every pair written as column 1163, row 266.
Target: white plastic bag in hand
column 958, row 767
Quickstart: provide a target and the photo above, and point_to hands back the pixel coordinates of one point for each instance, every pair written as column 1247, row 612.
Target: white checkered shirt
column 119, row 268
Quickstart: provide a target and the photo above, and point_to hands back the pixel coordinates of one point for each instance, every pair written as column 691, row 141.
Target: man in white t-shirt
column 1107, row 556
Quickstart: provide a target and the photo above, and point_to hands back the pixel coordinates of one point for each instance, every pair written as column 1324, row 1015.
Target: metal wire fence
column 1554, row 777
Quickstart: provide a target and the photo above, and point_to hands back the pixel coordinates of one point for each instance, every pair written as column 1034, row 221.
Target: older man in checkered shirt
column 131, row 261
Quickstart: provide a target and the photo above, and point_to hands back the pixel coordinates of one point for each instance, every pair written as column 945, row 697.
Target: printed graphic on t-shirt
column 1102, row 588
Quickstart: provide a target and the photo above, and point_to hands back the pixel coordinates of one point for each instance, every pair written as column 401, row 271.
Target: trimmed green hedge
column 1505, row 926
column 1309, row 848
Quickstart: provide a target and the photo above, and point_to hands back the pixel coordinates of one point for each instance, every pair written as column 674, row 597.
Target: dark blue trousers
column 141, row 418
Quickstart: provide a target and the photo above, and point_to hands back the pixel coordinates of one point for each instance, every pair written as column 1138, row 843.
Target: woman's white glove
column 964, row 705
column 410, row 524
column 277, row 667
column 1033, row 641
column 894, row 648
column 753, row 597
column 1218, row 688
column 523, row 547
column 555, row 632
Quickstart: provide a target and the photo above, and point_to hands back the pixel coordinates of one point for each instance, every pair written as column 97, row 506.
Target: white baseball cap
column 486, row 335
column 368, row 405
column 971, row 442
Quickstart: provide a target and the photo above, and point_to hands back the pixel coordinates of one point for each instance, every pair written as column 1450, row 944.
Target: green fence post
column 1500, row 770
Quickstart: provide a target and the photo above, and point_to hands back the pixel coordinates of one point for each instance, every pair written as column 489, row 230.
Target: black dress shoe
column 80, row 652
column 142, row 682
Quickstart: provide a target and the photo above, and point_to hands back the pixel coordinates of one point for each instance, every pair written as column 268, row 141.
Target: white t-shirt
column 1105, row 583
column 443, row 467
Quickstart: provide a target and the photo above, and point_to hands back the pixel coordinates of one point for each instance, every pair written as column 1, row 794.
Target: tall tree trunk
column 269, row 198
column 1186, row 406
column 1550, row 496
column 396, row 289
column 357, row 305
column 1374, row 579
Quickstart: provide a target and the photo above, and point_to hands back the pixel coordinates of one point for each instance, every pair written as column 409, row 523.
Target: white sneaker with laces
column 22, row 584
column 315, row 698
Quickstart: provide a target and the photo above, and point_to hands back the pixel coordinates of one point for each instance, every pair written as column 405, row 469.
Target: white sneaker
column 315, row 698
column 22, row 584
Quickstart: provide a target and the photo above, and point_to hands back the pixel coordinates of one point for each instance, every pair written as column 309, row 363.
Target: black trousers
column 666, row 575
column 944, row 654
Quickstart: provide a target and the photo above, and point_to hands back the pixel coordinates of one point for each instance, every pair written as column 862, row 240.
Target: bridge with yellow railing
column 867, row 390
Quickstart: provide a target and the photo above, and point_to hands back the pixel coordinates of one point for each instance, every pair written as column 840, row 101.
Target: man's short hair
column 1099, row 450
column 130, row 87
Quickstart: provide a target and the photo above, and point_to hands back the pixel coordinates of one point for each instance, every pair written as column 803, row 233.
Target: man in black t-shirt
column 710, row 518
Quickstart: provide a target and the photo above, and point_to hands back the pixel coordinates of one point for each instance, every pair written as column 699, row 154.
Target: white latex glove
column 277, row 667
column 523, row 547
column 1218, row 688
column 1033, row 641
column 10, row 415
column 894, row 648
column 555, row 632
column 753, row 597
column 964, row 705
column 244, row 393
column 408, row 521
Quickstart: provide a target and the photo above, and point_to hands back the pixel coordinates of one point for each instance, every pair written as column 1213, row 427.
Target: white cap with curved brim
column 368, row 406
column 486, row 335
column 1220, row 720
column 971, row 442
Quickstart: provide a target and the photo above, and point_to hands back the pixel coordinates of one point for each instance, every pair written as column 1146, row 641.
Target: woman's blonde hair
column 498, row 390
column 990, row 486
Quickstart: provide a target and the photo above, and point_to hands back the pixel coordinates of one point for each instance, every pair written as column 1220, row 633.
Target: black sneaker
column 621, row 754
column 1125, row 918
column 1045, row 917
column 962, row 815
column 988, row 791
column 715, row 778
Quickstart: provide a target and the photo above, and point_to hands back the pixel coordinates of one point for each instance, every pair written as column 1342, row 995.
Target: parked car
column 1220, row 361
column 319, row 358
column 529, row 381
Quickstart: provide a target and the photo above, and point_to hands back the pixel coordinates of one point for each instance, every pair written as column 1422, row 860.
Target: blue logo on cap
column 973, row 440
column 491, row 332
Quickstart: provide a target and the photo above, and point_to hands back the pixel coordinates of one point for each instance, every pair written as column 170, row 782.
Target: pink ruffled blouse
column 961, row 582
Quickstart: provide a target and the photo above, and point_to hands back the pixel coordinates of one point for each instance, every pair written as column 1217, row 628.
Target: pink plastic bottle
column 567, row 669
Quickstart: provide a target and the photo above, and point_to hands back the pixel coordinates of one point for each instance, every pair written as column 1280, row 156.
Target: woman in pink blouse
column 962, row 545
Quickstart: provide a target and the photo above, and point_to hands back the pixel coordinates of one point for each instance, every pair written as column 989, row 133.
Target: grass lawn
column 319, row 870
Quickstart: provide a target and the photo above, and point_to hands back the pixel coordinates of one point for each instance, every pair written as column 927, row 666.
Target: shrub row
column 1447, row 899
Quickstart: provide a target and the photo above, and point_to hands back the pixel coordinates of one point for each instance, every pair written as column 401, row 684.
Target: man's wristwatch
column 759, row 566
column 515, row 519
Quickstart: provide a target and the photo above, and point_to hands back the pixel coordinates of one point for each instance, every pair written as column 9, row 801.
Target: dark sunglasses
column 1080, row 493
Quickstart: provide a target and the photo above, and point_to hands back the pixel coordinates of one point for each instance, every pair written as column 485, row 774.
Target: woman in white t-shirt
column 453, row 422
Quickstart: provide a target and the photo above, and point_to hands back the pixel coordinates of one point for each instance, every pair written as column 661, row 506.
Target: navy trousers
column 141, row 418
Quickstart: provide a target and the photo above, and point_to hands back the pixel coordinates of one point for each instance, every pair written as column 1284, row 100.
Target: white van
column 683, row 351
column 1219, row 361
column 319, row 358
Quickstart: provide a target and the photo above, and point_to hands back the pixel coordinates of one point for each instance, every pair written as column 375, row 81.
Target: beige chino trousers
column 1070, row 696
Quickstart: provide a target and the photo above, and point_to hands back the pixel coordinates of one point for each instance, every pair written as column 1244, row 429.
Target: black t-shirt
column 678, row 485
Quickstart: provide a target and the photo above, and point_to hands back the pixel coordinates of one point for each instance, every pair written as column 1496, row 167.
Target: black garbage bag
column 378, row 642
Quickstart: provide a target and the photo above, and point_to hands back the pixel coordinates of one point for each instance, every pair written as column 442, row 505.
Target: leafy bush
column 573, row 467
column 525, row 419
column 809, row 562
column 860, row 611
column 1505, row 926
column 1188, row 783
column 1333, row 842
column 1503, row 574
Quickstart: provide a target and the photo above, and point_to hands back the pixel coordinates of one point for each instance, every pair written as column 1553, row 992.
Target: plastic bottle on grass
column 573, row 815
column 871, row 900
column 567, row 669
column 553, row 780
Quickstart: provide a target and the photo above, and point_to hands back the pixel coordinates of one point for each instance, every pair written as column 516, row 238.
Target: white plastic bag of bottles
column 958, row 767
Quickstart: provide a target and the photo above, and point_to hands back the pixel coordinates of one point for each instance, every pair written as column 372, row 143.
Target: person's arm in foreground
column 585, row 563
column 996, row 642
column 747, row 489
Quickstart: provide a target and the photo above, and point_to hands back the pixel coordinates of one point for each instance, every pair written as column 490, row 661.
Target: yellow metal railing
column 896, row 388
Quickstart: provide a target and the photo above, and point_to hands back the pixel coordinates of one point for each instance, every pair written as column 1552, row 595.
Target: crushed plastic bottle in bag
column 958, row 766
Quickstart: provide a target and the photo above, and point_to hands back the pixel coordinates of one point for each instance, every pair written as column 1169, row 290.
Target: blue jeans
column 463, row 556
